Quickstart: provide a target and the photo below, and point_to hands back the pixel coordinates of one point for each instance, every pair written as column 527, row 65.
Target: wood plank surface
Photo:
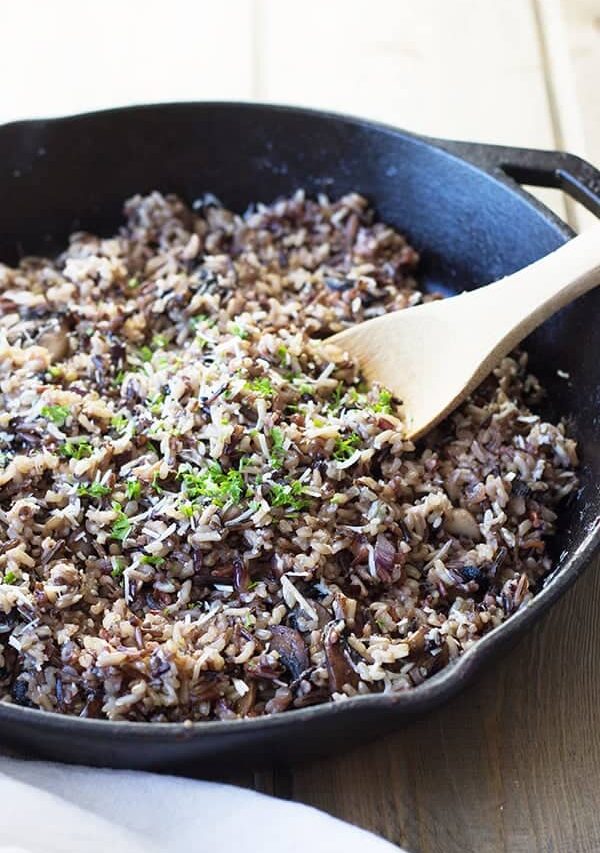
column 462, row 69
column 64, row 56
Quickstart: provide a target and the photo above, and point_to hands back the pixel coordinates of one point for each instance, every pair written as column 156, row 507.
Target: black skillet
column 462, row 207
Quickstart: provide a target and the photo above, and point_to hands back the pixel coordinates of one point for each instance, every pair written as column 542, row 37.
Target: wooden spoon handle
column 522, row 301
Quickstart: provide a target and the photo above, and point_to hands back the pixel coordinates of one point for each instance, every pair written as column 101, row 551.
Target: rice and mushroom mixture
column 204, row 513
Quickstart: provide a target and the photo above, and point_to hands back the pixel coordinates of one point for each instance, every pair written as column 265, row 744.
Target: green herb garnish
column 384, row 403
column 288, row 495
column 119, row 422
column 159, row 342
column 145, row 353
column 261, row 386
column 335, row 401
column 73, row 449
column 155, row 403
column 56, row 414
column 240, row 332
column 118, row 380
column 10, row 577
column 277, row 451
column 186, row 508
column 121, row 526
column 152, row 561
column 282, row 354
column 118, row 567
column 155, row 485
column 93, row 490
column 345, row 447
column 213, row 484
column 133, row 489
column 133, row 282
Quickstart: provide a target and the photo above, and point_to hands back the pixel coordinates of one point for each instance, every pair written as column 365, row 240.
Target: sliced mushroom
column 290, row 646
column 56, row 342
column 460, row 522
column 246, row 703
column 339, row 667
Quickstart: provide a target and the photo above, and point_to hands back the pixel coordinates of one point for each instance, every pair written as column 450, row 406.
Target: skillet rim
column 459, row 673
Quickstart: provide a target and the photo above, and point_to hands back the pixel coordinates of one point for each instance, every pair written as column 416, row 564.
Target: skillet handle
column 556, row 169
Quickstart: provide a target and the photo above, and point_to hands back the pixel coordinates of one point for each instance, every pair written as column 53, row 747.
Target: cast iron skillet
column 461, row 206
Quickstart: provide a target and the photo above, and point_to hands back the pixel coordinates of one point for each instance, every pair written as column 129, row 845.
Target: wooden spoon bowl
column 434, row 355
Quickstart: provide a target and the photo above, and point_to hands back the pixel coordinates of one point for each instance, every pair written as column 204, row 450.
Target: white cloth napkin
column 55, row 808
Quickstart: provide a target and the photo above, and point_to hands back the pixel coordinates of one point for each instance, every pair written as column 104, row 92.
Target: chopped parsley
column 118, row 380
column 384, row 403
column 119, row 422
column 56, row 414
column 133, row 489
column 55, row 371
column 240, row 332
column 10, row 577
column 288, row 495
column 345, row 447
column 355, row 396
column 213, row 484
column 93, row 490
column 159, row 342
column 152, row 560
column 74, row 449
column 145, row 353
column 261, row 386
column 155, row 403
column 118, row 567
column 335, row 401
column 156, row 487
column 282, row 354
column 201, row 318
column 121, row 526
column 277, row 451
column 187, row 509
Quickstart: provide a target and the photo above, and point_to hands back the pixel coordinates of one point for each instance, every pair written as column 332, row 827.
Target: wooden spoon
column 432, row 356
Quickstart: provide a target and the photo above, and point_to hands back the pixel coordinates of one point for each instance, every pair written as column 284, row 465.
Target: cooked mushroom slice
column 339, row 667
column 55, row 340
column 290, row 646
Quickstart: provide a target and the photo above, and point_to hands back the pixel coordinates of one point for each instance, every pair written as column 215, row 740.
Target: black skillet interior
column 472, row 224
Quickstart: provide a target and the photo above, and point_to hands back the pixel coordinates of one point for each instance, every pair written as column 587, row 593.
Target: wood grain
column 466, row 69
column 578, row 30
column 76, row 57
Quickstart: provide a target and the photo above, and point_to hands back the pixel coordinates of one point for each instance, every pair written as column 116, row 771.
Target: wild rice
column 204, row 513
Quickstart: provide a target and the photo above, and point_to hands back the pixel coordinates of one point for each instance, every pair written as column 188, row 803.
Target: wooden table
column 513, row 764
